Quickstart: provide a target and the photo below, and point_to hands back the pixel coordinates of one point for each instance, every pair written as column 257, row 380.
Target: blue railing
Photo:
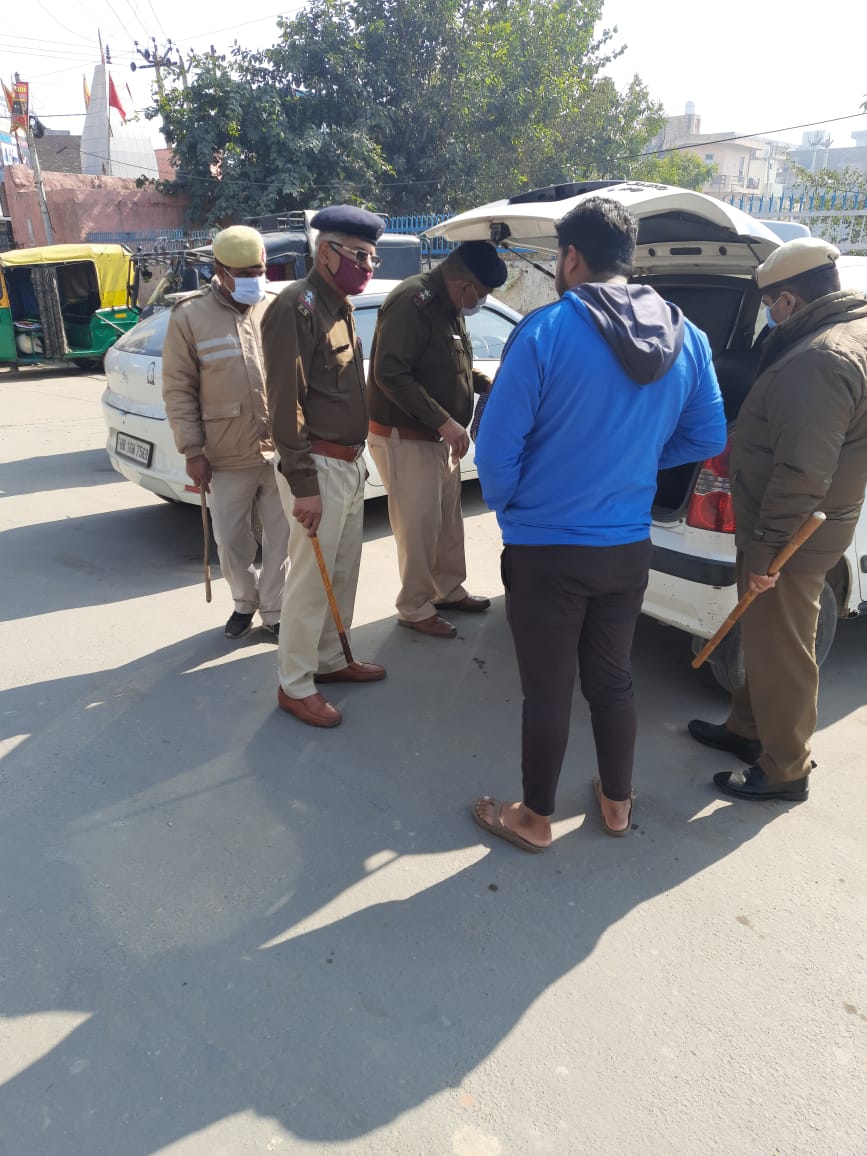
column 848, row 200
column 173, row 239
column 418, row 223
column 167, row 240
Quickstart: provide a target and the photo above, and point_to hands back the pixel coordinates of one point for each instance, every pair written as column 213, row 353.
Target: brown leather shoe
column 434, row 626
column 313, row 710
column 470, row 604
column 354, row 672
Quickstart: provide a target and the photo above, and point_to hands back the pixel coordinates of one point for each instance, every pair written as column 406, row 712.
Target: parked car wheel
column 727, row 661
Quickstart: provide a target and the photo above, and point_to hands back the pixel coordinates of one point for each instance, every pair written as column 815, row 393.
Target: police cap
column 239, row 247
column 792, row 260
column 349, row 219
column 483, row 261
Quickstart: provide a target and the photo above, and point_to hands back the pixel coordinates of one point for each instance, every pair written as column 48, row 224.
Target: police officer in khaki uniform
column 800, row 445
column 420, row 390
column 214, row 392
column 316, row 398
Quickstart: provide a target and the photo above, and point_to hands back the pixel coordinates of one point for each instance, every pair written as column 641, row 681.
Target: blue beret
column 349, row 219
column 483, row 261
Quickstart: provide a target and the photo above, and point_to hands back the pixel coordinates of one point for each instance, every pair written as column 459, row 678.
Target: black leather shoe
column 753, row 783
column 238, row 625
column 722, row 739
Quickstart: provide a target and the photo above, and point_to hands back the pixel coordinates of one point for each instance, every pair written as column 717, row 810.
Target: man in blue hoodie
column 596, row 393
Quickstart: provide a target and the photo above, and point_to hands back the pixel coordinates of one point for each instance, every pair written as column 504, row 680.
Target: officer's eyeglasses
column 359, row 256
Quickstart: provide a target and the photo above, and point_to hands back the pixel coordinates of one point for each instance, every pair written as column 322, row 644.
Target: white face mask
column 475, row 309
column 249, row 290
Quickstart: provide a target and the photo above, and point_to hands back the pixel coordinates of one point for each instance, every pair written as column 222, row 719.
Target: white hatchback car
column 138, row 438
column 700, row 254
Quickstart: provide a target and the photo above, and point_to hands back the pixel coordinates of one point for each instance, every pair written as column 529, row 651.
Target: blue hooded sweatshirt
column 595, row 394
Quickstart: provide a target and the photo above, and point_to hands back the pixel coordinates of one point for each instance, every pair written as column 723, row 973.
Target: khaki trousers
column 424, row 509
column 309, row 642
column 778, row 703
column 233, row 494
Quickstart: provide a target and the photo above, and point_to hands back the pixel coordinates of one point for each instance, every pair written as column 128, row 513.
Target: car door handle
column 151, row 371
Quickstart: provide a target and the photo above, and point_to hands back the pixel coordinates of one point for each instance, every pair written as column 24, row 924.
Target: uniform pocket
column 219, row 421
column 337, row 359
column 217, row 410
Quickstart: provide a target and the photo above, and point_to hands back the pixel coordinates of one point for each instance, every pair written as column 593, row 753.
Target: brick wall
column 79, row 205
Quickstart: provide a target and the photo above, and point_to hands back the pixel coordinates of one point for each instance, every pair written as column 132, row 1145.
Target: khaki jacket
column 421, row 361
column 214, row 381
column 800, row 443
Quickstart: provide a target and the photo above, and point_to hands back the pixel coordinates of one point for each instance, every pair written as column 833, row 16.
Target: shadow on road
column 227, row 911
column 56, row 472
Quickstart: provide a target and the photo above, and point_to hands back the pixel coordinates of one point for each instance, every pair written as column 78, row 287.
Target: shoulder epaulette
column 421, row 298
column 185, row 298
column 305, row 303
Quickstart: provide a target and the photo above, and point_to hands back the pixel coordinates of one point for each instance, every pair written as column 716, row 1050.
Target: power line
column 71, row 32
column 231, row 28
column 744, row 136
column 134, row 11
column 159, row 22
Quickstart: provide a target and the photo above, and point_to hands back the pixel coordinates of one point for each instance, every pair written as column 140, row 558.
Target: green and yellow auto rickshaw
column 64, row 303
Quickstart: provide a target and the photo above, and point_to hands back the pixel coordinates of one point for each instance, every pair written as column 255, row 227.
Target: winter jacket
column 595, row 394
column 214, row 381
column 800, row 443
column 421, row 361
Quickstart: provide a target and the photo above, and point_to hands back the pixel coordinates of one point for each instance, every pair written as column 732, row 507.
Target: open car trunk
column 696, row 251
column 725, row 308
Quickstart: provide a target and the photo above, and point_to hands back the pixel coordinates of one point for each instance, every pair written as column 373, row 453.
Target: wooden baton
column 799, row 538
column 332, row 601
column 206, row 533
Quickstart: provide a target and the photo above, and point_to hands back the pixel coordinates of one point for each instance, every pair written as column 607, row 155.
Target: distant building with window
column 743, row 164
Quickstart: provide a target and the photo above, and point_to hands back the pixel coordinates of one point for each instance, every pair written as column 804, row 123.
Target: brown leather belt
column 335, row 450
column 404, row 432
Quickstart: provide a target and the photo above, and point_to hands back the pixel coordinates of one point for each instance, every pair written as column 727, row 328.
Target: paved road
column 223, row 933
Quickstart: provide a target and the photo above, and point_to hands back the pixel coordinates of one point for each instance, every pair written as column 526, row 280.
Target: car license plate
column 134, row 448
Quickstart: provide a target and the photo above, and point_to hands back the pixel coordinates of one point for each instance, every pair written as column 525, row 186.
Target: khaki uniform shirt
column 314, row 377
column 421, row 362
column 214, row 381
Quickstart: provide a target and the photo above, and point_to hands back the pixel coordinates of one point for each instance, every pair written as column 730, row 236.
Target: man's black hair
column 809, row 286
column 604, row 232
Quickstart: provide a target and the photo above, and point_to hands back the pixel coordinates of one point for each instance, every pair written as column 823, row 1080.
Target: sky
column 749, row 68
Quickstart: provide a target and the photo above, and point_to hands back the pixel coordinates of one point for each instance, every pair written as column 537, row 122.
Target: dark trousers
column 565, row 602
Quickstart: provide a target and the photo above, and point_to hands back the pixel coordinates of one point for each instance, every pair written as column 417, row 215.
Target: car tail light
column 710, row 506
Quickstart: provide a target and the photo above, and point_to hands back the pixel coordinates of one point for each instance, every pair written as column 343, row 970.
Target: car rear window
column 148, row 336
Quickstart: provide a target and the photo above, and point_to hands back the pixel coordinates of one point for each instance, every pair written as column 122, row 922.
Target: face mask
column 771, row 323
column 249, row 290
column 351, row 278
column 476, row 308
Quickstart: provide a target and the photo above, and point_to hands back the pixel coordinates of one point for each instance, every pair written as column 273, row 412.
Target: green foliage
column 683, row 168
column 405, row 107
column 827, row 181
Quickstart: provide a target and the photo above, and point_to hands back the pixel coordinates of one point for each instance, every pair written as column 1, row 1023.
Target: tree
column 405, row 107
column 683, row 168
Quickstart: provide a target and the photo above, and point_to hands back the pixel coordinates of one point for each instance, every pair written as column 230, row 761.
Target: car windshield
column 488, row 330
